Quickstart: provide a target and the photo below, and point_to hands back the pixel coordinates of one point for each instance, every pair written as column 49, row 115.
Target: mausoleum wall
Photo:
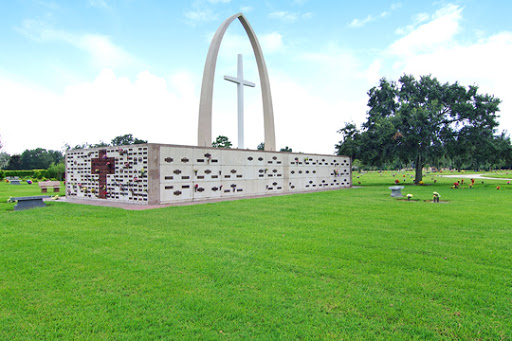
column 159, row 174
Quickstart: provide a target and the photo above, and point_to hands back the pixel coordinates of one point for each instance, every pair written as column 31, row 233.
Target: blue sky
column 84, row 71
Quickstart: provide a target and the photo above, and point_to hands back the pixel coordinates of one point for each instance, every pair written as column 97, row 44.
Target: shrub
column 56, row 171
column 19, row 173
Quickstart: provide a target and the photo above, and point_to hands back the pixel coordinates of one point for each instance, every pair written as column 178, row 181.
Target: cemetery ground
column 346, row 264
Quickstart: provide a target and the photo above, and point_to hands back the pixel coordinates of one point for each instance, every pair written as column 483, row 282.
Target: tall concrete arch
column 204, row 136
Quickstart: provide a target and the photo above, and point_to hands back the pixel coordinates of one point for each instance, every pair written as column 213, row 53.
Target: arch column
column 204, row 135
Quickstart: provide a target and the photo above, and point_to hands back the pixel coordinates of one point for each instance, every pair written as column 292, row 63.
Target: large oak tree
column 422, row 121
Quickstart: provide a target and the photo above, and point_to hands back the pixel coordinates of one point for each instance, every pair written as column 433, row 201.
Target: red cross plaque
column 102, row 166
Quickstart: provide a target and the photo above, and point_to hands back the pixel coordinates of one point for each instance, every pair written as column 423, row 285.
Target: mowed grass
column 351, row 264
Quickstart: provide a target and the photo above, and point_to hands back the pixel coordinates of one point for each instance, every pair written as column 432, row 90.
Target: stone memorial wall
column 114, row 173
column 160, row 174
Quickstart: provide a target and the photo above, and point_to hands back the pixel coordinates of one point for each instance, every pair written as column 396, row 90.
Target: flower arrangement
column 421, row 183
column 409, row 196
column 436, row 196
column 497, row 187
column 397, row 181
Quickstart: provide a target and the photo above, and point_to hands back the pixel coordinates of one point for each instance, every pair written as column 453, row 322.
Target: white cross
column 240, row 82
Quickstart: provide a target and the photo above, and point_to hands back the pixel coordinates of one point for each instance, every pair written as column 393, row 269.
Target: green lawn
column 351, row 264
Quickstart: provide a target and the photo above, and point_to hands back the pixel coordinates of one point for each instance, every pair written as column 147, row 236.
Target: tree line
column 41, row 158
column 223, row 142
column 425, row 122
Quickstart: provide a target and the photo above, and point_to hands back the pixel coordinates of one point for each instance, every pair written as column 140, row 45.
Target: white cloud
column 283, row 15
column 417, row 19
column 233, row 43
column 307, row 122
column 439, row 31
column 361, row 22
column 483, row 63
column 355, row 23
column 421, row 17
column 396, row 6
column 103, row 52
column 434, row 48
column 200, row 15
column 373, row 73
column 150, row 107
column 203, row 11
column 271, row 42
column 246, row 9
column 289, row 16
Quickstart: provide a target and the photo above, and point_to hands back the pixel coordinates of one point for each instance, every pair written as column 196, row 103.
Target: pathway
column 474, row 176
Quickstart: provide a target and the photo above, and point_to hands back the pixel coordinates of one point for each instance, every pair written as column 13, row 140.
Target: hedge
column 35, row 173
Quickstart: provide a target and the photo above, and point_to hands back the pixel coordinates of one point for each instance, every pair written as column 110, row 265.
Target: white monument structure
column 204, row 136
column 161, row 174
column 240, row 83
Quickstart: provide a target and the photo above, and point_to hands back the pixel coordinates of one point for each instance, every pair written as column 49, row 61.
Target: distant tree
column 261, row 146
column 222, row 142
column 285, row 149
column 350, row 143
column 78, row 146
column 4, row 160
column 14, row 162
column 38, row 158
column 56, row 155
column 99, row 145
column 501, row 151
column 57, row 171
column 126, row 139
